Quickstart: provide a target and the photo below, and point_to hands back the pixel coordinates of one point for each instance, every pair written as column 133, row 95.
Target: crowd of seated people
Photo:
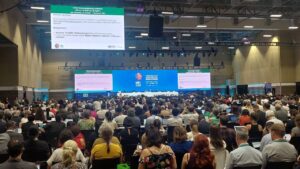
column 164, row 132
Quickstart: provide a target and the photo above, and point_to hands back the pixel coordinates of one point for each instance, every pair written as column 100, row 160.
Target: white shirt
column 57, row 156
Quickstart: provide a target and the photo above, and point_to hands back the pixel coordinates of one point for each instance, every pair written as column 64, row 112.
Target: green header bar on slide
column 86, row 10
column 194, row 71
column 93, row 71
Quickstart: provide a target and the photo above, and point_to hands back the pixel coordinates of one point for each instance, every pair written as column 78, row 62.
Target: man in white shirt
column 119, row 119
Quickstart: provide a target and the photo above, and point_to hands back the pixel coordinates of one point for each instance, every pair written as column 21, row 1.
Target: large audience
column 188, row 131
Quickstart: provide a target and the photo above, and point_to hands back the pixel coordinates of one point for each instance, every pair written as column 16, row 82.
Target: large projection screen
column 89, row 28
column 91, row 81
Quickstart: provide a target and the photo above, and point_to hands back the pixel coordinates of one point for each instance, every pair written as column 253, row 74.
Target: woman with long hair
column 200, row 156
column 108, row 122
column 106, row 150
column 218, row 146
column 69, row 157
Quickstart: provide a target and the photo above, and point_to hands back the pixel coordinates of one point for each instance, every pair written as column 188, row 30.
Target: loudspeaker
column 298, row 88
column 242, row 89
column 156, row 26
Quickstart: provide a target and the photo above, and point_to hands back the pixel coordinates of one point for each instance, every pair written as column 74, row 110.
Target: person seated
column 53, row 129
column 194, row 130
column 69, row 151
column 120, row 116
column 11, row 131
column 132, row 118
column 175, row 120
column 4, row 139
column 270, row 115
column 108, row 122
column 244, row 155
column 181, row 144
column 15, row 151
column 87, row 123
column 156, row 154
column 200, row 156
column 106, row 150
column 228, row 134
column 34, row 149
column 129, row 138
column 279, row 150
column 255, row 130
column 218, row 147
column 245, row 118
column 57, row 155
column 78, row 137
column 266, row 139
column 153, row 116
column 296, row 130
column 189, row 115
column 27, row 125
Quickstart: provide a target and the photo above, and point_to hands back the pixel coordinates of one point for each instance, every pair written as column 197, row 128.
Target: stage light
column 131, row 47
column 267, row 36
column 174, row 37
column 201, row 26
column 47, row 32
column 186, row 34
column 165, row 48
column 42, row 21
column 211, row 43
column 276, row 15
column 144, row 34
column 167, row 13
column 198, row 47
column 138, row 37
column 293, row 27
column 38, row 7
column 231, row 47
column 248, row 27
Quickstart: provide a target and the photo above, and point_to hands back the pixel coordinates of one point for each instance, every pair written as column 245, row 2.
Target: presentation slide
column 93, row 81
column 90, row 28
column 145, row 80
column 193, row 79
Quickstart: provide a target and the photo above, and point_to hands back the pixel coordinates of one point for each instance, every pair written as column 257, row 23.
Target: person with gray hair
column 279, row 150
column 132, row 119
column 244, row 155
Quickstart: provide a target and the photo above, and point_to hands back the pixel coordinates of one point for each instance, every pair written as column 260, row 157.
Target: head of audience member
column 253, row 118
column 156, row 124
column 268, row 126
column 11, row 125
column 191, row 109
column 270, row 114
column 201, row 151
column 179, row 134
column 297, row 120
column 242, row 135
column 70, row 149
column 86, row 115
column 154, row 111
column 118, row 110
column 131, row 112
column 40, row 115
column 138, row 111
column 154, row 137
column 175, row 112
column 65, row 135
column 255, row 108
column 108, row 116
column 15, row 149
column 128, row 124
column 33, row 133
column 31, row 118
column 216, row 137
column 266, row 106
column 107, row 134
column 70, row 124
column 1, row 114
column 293, row 113
column 278, row 106
column 75, row 130
column 7, row 115
column 245, row 112
column 194, row 126
column 3, row 127
column 224, row 121
column 235, row 110
column 277, row 131
column 58, row 118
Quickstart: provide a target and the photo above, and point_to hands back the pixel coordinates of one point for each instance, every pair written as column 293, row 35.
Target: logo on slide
column 138, row 76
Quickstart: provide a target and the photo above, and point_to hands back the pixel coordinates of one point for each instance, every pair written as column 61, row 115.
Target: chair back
column 87, row 133
column 296, row 142
column 179, row 157
column 106, row 163
column 170, row 130
column 280, row 165
column 253, row 167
